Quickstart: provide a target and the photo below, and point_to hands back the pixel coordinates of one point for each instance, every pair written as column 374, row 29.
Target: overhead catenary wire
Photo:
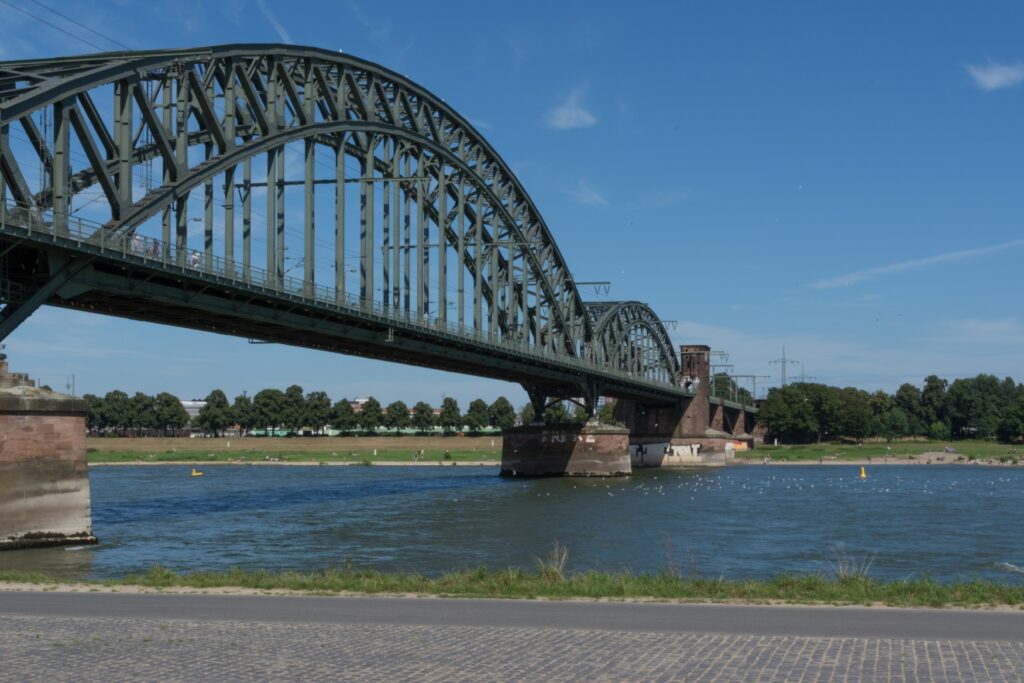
column 50, row 24
column 77, row 23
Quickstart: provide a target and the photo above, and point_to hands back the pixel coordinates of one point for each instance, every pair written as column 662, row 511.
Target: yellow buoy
column 863, row 474
column 196, row 473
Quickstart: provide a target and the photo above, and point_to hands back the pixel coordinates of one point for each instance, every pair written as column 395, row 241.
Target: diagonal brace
column 16, row 313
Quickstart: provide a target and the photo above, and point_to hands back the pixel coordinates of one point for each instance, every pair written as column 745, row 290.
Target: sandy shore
column 932, row 458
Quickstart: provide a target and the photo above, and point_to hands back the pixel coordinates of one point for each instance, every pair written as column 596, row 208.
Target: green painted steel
column 452, row 266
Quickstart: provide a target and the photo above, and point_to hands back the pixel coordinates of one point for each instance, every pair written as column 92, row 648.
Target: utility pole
column 783, row 362
column 803, row 377
column 753, row 379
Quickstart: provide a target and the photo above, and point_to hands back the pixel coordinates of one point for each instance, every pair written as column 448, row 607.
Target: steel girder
column 628, row 335
column 202, row 113
column 440, row 221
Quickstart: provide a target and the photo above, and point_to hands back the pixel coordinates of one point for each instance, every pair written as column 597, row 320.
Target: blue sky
column 843, row 180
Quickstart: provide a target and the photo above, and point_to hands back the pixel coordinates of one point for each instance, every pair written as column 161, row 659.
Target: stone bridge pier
column 699, row 430
column 44, row 485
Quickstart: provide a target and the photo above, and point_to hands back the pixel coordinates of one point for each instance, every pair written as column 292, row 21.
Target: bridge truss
column 302, row 196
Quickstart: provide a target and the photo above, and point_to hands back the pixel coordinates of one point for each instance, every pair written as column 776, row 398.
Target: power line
column 76, row 23
column 51, row 25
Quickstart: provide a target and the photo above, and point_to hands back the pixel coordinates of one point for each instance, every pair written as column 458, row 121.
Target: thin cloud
column 912, row 264
column 586, row 195
column 272, row 20
column 995, row 76
column 571, row 113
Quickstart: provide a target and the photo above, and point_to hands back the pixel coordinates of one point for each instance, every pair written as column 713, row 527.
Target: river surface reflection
column 752, row 521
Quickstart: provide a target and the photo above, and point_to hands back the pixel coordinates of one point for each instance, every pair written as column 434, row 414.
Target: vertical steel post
column 460, row 227
column 407, row 246
column 339, row 218
column 123, row 141
column 422, row 242
column 396, row 228
column 229, row 175
column 181, row 112
column 167, row 114
column 366, row 222
column 247, row 219
column 309, row 96
column 388, row 150
column 61, row 167
column 478, row 264
column 442, row 243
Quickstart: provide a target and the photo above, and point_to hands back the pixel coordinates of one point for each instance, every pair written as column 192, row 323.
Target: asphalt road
column 104, row 636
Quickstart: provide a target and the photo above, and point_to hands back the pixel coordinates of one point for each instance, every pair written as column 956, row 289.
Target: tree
column 933, row 400
column 268, row 408
column 170, row 415
column 896, row 423
column 580, row 415
column 556, row 414
column 140, row 412
column 1011, row 426
column 116, row 410
column 450, row 418
column 501, row 414
column 477, row 416
column 92, row 418
column 397, row 416
column 422, row 417
column 293, row 414
column 789, row 414
column 908, row 399
column 973, row 407
column 370, row 417
column 854, row 415
column 343, row 416
column 318, row 410
column 607, row 414
column 526, row 414
column 216, row 414
column 241, row 413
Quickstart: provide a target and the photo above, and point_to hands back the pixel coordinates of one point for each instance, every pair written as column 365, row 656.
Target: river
column 948, row 522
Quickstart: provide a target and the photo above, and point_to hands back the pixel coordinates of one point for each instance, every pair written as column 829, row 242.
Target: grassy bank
column 299, row 449
column 897, row 450
column 550, row 582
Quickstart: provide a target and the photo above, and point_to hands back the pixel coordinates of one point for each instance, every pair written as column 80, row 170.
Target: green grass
column 898, row 450
column 359, row 457
column 547, row 583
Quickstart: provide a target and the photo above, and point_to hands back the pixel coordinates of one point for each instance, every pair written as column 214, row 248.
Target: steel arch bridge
column 301, row 196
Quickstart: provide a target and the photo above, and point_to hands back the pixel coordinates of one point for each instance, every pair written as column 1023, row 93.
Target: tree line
column 292, row 410
column 982, row 407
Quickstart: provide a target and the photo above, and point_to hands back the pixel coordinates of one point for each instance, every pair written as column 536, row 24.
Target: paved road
column 102, row 636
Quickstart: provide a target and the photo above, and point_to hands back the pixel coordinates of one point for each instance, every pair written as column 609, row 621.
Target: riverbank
column 352, row 450
column 550, row 581
column 300, row 463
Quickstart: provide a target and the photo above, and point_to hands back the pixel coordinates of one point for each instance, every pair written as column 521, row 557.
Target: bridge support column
column 44, row 485
column 565, row 450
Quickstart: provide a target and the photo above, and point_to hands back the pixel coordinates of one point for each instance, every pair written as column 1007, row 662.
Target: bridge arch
column 444, row 228
column 630, row 336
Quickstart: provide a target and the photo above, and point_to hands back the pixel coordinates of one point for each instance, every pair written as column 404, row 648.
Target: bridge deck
column 143, row 279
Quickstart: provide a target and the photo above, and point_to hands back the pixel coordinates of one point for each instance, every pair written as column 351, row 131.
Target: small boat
column 196, row 473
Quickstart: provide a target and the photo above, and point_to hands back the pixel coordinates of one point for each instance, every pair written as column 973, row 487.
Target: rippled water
column 946, row 521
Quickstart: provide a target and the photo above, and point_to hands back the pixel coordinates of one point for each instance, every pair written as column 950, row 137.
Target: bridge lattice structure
column 300, row 196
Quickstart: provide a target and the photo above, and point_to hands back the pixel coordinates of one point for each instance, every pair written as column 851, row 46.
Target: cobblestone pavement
column 49, row 649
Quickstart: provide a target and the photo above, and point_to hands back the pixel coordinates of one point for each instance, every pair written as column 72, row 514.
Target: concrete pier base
column 44, row 482
column 565, row 450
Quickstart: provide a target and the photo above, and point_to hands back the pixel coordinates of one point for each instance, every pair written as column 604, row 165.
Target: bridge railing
column 137, row 248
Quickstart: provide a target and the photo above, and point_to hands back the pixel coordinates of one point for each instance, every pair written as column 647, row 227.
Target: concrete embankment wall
column 44, row 482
